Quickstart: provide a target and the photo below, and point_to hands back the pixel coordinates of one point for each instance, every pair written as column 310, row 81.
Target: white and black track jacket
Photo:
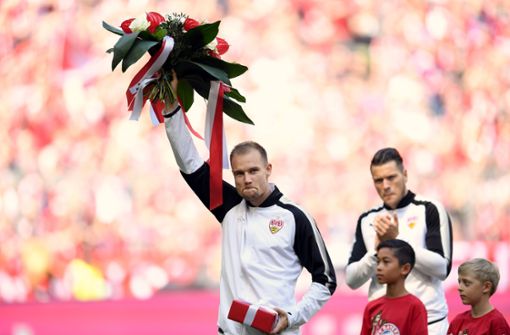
column 426, row 226
column 259, row 264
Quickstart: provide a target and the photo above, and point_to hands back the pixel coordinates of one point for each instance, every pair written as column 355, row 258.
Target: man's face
column 471, row 290
column 390, row 182
column 251, row 175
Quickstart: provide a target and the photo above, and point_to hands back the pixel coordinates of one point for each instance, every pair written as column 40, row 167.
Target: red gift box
column 256, row 316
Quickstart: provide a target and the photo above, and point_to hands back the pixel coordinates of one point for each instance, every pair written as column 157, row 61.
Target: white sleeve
column 185, row 152
column 358, row 273
column 431, row 263
column 435, row 258
column 313, row 300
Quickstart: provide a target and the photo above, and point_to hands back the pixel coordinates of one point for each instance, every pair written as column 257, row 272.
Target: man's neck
column 264, row 197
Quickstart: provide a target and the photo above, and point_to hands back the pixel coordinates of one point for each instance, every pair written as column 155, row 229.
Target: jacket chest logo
column 275, row 225
column 411, row 221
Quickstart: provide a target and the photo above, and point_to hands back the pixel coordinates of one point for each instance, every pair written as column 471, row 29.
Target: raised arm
column 185, row 152
column 193, row 168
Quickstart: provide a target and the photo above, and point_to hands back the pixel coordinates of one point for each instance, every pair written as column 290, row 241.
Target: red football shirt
column 492, row 323
column 403, row 315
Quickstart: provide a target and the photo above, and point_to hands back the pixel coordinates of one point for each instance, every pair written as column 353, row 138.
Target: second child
column 397, row 312
column 478, row 280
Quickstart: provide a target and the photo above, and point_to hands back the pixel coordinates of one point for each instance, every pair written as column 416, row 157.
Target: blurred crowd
column 92, row 205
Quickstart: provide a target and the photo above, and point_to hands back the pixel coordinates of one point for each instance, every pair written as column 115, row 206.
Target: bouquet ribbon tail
column 186, row 120
column 216, row 142
column 145, row 76
column 156, row 112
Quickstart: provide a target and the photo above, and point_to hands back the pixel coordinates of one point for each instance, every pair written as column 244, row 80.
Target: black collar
column 270, row 200
column 406, row 200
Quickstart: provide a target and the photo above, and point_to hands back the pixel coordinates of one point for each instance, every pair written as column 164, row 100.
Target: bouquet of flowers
column 182, row 47
column 178, row 45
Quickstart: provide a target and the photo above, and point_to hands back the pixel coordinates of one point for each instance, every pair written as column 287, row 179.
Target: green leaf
column 146, row 35
column 185, row 93
column 230, row 107
column 234, row 93
column 187, row 68
column 235, row 111
column 121, row 48
column 231, row 69
column 216, row 73
column 202, row 35
column 160, row 33
column 136, row 52
column 199, row 84
column 113, row 29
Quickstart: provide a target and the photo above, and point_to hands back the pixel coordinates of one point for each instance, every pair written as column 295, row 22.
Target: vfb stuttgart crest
column 411, row 222
column 275, row 225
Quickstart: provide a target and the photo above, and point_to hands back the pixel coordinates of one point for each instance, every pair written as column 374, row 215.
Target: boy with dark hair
column 397, row 312
column 478, row 280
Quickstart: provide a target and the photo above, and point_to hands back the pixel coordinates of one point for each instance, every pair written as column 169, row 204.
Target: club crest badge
column 275, row 225
column 411, row 222
column 382, row 327
column 388, row 329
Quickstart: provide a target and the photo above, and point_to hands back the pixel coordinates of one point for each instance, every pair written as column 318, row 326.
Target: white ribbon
column 250, row 314
column 137, row 88
column 138, row 103
column 209, row 122
column 154, row 118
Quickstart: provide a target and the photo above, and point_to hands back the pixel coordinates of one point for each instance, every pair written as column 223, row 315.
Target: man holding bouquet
column 266, row 238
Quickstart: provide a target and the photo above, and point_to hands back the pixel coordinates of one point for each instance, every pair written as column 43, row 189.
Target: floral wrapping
column 195, row 56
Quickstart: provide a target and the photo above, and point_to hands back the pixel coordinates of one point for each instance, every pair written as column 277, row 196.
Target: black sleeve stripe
column 433, row 235
column 310, row 248
column 198, row 181
column 438, row 238
column 445, row 224
column 359, row 249
column 449, row 243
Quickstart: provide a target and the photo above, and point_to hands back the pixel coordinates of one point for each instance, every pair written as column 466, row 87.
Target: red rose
column 125, row 25
column 214, row 54
column 222, row 46
column 155, row 20
column 190, row 24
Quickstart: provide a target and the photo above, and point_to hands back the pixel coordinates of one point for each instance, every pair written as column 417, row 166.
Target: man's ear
column 269, row 169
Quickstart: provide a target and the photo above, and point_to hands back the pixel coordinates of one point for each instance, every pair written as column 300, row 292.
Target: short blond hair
column 244, row 147
column 483, row 270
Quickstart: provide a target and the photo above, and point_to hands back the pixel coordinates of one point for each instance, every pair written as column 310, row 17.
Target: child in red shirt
column 398, row 312
column 478, row 280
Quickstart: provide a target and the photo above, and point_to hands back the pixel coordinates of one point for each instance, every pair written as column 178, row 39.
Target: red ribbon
column 186, row 120
column 216, row 152
column 158, row 106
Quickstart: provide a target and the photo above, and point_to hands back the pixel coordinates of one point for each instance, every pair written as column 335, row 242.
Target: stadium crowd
column 91, row 206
